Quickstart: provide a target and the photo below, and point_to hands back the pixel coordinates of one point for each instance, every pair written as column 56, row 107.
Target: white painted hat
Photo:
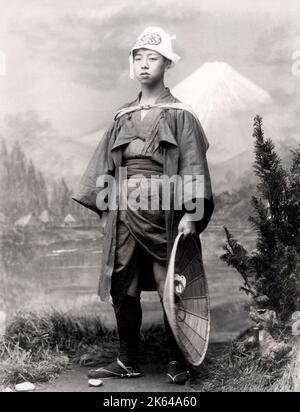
column 154, row 38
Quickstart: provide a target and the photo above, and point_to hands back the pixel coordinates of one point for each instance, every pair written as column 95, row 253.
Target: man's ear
column 167, row 64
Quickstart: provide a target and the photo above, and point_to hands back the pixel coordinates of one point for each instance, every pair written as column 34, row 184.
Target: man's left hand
column 186, row 225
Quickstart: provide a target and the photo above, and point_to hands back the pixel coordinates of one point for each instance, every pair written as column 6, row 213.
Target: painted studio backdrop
column 64, row 73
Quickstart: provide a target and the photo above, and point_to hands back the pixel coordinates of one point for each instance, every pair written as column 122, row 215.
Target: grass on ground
column 39, row 346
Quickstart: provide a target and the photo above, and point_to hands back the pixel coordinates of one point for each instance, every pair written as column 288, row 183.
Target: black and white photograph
column 150, row 198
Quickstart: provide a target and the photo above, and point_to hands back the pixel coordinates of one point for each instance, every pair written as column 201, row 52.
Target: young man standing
column 153, row 136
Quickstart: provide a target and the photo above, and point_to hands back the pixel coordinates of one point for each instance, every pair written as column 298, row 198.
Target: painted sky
column 68, row 61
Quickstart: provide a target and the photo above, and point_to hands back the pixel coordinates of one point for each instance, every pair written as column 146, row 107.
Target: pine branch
column 237, row 256
column 271, row 273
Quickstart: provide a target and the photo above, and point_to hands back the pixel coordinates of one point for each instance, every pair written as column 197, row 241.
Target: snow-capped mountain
column 226, row 103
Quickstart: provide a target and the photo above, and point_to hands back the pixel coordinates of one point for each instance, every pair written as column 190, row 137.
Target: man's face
column 149, row 66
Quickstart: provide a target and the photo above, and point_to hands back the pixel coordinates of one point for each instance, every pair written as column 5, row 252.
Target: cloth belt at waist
column 142, row 166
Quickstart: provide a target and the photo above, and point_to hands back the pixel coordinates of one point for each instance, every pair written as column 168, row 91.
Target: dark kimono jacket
column 183, row 148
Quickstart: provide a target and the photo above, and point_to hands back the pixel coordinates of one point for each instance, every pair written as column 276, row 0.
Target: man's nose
column 145, row 64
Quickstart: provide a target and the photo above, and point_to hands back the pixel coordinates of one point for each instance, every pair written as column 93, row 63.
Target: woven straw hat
column 186, row 299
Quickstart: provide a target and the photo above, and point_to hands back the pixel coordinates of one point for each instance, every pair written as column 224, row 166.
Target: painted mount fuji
column 226, row 103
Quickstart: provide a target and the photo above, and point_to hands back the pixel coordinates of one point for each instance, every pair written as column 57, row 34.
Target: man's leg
column 159, row 272
column 129, row 319
column 177, row 371
column 133, row 289
column 127, row 308
column 160, row 276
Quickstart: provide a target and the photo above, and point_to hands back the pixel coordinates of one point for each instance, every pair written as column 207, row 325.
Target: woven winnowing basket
column 188, row 313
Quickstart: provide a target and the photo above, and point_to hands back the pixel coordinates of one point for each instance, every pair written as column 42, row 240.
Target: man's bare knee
column 133, row 289
column 160, row 287
column 159, row 274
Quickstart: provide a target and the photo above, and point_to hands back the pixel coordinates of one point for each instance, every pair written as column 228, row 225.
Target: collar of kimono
column 166, row 105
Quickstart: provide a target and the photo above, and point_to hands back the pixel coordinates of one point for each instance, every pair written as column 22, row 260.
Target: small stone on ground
column 25, row 387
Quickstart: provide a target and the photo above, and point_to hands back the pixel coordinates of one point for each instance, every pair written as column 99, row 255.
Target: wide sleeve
column 197, row 197
column 99, row 165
